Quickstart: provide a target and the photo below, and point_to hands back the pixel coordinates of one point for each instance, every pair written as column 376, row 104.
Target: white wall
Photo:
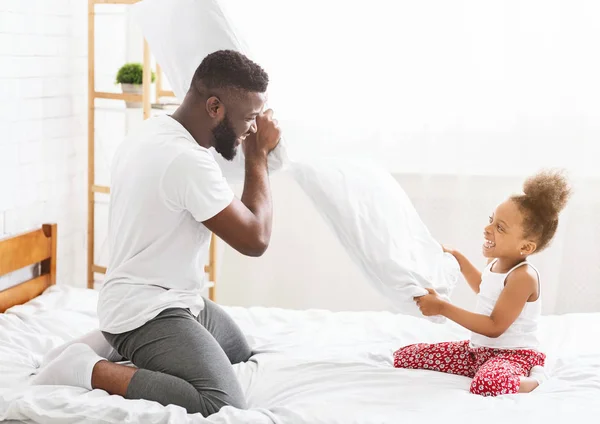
column 490, row 96
column 119, row 41
column 433, row 86
column 43, row 119
column 113, row 43
column 306, row 267
column 43, row 165
column 43, row 124
column 465, row 88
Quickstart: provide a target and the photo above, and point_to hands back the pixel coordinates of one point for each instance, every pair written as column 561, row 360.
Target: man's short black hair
column 230, row 69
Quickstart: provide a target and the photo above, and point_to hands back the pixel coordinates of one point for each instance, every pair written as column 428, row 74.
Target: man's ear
column 215, row 108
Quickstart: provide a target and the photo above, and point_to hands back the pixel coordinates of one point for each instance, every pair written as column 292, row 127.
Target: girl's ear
column 528, row 247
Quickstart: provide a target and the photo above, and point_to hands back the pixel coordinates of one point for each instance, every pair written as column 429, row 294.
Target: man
column 168, row 195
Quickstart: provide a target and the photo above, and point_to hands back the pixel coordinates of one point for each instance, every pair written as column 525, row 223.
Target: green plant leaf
column 132, row 73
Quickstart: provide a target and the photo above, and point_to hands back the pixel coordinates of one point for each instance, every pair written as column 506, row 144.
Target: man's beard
column 225, row 139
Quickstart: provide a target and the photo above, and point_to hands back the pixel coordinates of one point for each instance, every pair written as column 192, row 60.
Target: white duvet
column 310, row 367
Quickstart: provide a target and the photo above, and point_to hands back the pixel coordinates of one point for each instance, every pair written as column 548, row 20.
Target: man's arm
column 246, row 225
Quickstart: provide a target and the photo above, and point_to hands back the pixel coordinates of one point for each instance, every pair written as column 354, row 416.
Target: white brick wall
column 43, row 124
column 43, row 119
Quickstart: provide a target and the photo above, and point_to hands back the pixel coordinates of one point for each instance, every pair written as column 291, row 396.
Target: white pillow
column 380, row 229
column 180, row 34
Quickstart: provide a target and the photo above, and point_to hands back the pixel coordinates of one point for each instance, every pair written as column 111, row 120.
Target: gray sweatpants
column 186, row 361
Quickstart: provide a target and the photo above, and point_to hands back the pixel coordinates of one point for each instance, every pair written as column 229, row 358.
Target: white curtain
column 460, row 100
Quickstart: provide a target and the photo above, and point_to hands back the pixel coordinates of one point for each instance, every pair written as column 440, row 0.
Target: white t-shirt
column 163, row 186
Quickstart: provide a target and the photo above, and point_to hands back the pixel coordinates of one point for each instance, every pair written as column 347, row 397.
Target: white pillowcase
column 380, row 229
column 180, row 34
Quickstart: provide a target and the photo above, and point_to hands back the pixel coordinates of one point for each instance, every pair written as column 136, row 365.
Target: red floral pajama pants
column 494, row 371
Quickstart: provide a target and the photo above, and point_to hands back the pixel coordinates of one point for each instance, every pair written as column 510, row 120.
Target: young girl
column 503, row 346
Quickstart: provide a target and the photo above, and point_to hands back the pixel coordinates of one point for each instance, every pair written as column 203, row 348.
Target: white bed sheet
column 310, row 367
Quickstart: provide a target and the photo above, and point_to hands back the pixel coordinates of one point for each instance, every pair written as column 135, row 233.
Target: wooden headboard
column 24, row 250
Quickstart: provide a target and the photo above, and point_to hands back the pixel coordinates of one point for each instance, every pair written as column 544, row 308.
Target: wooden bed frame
column 20, row 251
column 39, row 247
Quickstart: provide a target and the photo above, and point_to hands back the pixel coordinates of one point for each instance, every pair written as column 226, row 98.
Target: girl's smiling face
column 504, row 235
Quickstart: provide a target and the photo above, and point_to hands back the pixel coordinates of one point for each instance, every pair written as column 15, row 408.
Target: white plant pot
column 133, row 89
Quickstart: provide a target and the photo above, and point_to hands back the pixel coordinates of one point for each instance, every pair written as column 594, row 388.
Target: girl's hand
column 431, row 304
column 447, row 249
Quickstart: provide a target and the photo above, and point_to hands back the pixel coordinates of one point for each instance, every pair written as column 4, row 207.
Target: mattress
column 310, row 366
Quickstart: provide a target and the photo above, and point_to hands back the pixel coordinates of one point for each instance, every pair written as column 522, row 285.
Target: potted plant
column 131, row 76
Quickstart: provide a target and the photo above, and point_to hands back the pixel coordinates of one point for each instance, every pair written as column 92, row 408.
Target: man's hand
column 430, row 304
column 246, row 225
column 267, row 135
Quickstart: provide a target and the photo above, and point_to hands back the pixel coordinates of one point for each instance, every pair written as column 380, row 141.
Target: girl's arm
column 520, row 286
column 469, row 271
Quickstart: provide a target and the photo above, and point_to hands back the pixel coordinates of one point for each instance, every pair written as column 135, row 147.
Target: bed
column 309, row 366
